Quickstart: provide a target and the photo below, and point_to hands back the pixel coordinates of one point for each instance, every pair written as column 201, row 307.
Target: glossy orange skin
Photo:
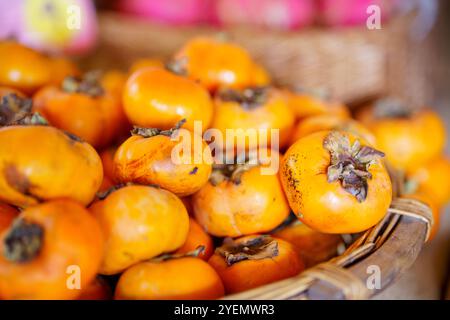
column 197, row 237
column 139, row 223
column 408, row 142
column 71, row 237
column 429, row 200
column 107, row 156
column 114, row 82
column 305, row 105
column 42, row 163
column 62, row 68
column 22, row 68
column 260, row 76
column 98, row 289
column 157, row 98
column 312, row 247
column 94, row 119
column 145, row 63
column 149, row 161
column 7, row 215
column 255, row 205
column 328, row 207
column 331, row 122
column 248, row 274
column 433, row 178
column 274, row 114
column 217, row 63
column 174, row 279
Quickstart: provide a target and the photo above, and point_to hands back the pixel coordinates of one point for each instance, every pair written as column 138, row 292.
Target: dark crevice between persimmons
column 88, row 84
column 151, row 132
column 23, row 242
column 248, row 98
column 16, row 110
column 104, row 194
column 169, row 256
column 350, row 163
column 261, row 247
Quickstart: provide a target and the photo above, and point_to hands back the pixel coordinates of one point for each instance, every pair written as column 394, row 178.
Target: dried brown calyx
column 178, row 66
column 350, row 163
column 262, row 247
column 391, row 108
column 15, row 110
column 249, row 98
column 23, row 241
column 231, row 172
column 88, row 84
column 169, row 256
column 151, row 132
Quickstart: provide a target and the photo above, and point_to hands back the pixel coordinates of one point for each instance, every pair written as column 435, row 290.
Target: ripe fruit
column 155, row 97
column 240, row 200
column 7, row 215
column 181, row 165
column 335, row 182
column 197, row 237
column 40, row 163
column 139, row 223
column 44, row 246
column 253, row 261
column 173, row 279
column 253, row 108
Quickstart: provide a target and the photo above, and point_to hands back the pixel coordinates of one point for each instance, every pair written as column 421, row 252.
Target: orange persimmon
column 158, row 98
column 98, row 289
column 335, row 182
column 61, row 69
column 184, row 278
column 82, row 107
column 151, row 156
column 410, row 138
column 253, row 108
column 40, row 163
column 432, row 178
column 23, row 68
column 143, row 63
column 44, row 246
column 139, row 223
column 253, row 261
column 215, row 63
column 197, row 237
column 107, row 156
column 312, row 246
column 240, row 199
column 7, row 215
column 331, row 122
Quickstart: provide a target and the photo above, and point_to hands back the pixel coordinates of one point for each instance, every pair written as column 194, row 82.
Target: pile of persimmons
column 93, row 205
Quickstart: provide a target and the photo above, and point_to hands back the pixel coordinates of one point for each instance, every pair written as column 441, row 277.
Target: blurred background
column 310, row 43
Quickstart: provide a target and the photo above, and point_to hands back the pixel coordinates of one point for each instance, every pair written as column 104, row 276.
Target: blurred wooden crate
column 354, row 64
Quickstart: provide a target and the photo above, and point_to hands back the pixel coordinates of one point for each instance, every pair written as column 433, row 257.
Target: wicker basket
column 354, row 64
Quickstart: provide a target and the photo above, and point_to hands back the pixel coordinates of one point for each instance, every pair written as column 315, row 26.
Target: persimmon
column 307, row 103
column 44, row 246
column 158, row 98
column 253, row 261
column 147, row 157
column 184, row 278
column 143, row 63
column 313, row 247
column 107, row 157
column 429, row 200
column 240, row 199
column 139, row 223
column 331, row 122
column 432, row 178
column 61, row 69
column 197, row 237
column 260, row 76
column 40, row 163
column 23, row 68
column 114, row 82
column 7, row 215
column 215, row 63
column 253, row 108
column 98, row 289
column 82, row 107
column 335, row 182
column 410, row 138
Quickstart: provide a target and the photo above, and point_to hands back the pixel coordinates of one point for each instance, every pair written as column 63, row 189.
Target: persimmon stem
column 151, row 132
column 23, row 241
column 350, row 163
column 15, row 110
column 262, row 247
column 249, row 98
column 89, row 84
column 231, row 172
